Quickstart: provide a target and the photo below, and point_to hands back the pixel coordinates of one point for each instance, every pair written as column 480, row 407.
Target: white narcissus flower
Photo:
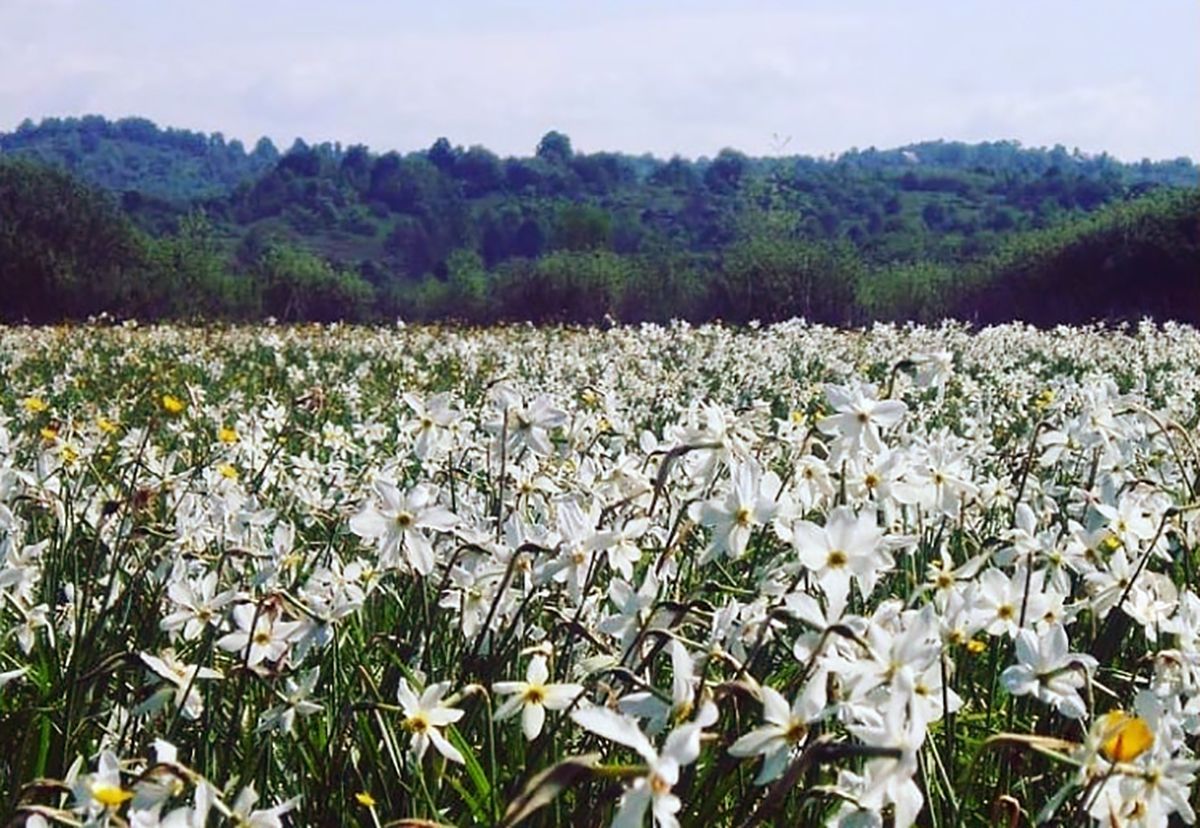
column 400, row 524
column 430, row 426
column 846, row 546
column 245, row 815
column 889, row 779
column 784, row 731
column 644, row 704
column 621, row 545
column 424, row 718
column 295, row 703
column 1001, row 600
column 197, row 605
column 259, row 636
column 533, row 697
column 1151, row 797
column 859, row 417
column 184, row 677
column 525, row 425
column 1128, row 521
column 102, row 791
column 654, row 789
column 749, row 503
column 1046, row 669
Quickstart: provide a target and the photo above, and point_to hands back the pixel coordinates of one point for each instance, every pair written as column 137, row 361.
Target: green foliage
column 297, row 285
column 984, row 231
column 66, row 251
column 1127, row 261
column 134, row 154
column 583, row 227
column 191, row 278
column 772, row 273
column 918, row 291
column 565, row 286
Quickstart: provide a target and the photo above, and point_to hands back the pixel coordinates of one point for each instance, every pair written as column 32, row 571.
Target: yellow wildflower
column 1124, row 737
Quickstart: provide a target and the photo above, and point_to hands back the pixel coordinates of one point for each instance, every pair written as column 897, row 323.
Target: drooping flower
column 184, row 677
column 653, row 789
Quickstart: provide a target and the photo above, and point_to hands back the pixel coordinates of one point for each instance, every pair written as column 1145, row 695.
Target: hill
column 133, row 155
column 913, row 232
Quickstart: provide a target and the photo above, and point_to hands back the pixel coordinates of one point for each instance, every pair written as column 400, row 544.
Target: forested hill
column 134, row 155
column 326, row 231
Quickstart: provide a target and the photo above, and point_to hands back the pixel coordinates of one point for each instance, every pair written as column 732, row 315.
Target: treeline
column 135, row 156
column 69, row 251
column 397, row 218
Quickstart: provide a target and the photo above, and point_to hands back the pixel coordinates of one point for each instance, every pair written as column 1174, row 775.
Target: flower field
column 655, row 575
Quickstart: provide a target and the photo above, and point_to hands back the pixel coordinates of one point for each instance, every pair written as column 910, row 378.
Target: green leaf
column 547, row 785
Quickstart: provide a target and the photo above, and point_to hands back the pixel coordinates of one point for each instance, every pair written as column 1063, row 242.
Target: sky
column 685, row 77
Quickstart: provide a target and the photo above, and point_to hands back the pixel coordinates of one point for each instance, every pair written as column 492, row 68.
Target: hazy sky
column 686, row 76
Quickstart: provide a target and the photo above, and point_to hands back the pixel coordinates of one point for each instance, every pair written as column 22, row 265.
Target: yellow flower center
column 837, row 559
column 110, row 796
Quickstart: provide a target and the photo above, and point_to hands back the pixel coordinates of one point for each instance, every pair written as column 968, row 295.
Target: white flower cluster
column 292, row 560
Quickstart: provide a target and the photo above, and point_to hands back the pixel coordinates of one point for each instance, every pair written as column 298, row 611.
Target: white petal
column 615, row 727
column 444, row 747
column 532, row 719
column 538, row 672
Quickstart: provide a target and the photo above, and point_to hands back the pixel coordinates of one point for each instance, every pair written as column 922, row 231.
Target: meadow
column 668, row 575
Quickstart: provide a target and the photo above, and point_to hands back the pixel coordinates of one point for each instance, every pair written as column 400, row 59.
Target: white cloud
column 690, row 80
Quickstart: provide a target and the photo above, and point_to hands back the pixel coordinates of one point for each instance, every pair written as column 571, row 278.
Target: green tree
column 298, row 286
column 583, row 227
column 66, row 251
column 555, row 148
